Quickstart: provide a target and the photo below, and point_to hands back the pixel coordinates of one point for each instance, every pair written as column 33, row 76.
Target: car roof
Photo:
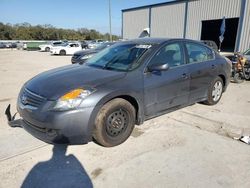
column 149, row 40
column 152, row 40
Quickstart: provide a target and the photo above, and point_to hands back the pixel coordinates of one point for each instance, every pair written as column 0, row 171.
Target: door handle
column 213, row 66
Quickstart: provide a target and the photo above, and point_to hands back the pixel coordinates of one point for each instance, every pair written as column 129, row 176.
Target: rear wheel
column 62, row 52
column 47, row 49
column 114, row 123
column 215, row 91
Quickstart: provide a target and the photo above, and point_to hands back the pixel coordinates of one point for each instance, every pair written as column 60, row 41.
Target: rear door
column 166, row 89
column 202, row 68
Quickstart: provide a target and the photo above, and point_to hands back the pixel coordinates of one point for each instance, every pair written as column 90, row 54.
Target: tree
column 25, row 31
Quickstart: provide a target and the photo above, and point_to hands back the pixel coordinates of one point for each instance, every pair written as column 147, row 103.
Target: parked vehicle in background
column 47, row 47
column 84, row 44
column 25, row 46
column 83, row 55
column 95, row 43
column 13, row 45
column 8, row 45
column 66, row 49
column 211, row 44
column 240, row 67
column 119, row 87
column 19, row 45
column 2, row 45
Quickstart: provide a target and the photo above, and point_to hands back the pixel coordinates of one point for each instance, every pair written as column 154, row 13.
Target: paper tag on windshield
column 145, row 46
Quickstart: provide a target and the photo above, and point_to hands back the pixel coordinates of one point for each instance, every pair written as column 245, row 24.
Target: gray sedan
column 121, row 86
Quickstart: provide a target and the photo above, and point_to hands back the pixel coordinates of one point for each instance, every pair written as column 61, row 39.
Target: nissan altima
column 121, row 86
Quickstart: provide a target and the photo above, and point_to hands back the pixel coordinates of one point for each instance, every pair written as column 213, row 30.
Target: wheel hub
column 116, row 122
column 217, row 91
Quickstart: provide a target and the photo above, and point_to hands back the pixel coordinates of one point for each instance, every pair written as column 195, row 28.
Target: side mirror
column 163, row 67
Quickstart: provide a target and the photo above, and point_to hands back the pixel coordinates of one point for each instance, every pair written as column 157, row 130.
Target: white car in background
column 47, row 47
column 66, row 49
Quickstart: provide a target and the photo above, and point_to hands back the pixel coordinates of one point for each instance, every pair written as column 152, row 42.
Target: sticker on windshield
column 145, row 46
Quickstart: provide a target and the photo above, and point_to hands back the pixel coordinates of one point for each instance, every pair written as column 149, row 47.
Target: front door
column 170, row 88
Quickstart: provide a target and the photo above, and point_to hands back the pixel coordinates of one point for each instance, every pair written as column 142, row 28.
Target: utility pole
column 110, row 31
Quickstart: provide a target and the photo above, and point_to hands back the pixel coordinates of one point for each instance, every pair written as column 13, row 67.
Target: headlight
column 86, row 56
column 72, row 99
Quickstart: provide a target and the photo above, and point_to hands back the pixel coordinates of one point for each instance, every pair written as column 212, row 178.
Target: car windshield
column 120, row 57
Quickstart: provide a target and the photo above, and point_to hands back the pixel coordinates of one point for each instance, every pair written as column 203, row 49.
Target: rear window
column 198, row 53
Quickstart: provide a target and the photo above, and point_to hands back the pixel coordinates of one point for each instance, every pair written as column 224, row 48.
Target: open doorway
column 211, row 31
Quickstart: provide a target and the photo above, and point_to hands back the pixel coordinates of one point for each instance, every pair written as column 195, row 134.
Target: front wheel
column 114, row 123
column 215, row 91
column 62, row 52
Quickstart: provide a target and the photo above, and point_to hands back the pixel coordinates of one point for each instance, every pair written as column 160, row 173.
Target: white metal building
column 192, row 19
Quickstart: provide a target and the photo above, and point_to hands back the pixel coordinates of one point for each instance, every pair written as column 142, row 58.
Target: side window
column 171, row 54
column 56, row 43
column 198, row 53
column 74, row 45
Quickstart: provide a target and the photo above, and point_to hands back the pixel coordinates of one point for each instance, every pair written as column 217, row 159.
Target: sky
column 70, row 14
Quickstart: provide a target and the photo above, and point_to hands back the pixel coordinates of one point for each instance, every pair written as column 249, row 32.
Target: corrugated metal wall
column 209, row 10
column 168, row 20
column 245, row 35
column 134, row 22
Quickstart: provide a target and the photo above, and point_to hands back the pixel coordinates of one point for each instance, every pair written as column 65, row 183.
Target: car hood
column 55, row 83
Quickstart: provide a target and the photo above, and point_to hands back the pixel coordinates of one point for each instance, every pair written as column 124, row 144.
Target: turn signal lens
column 72, row 99
column 72, row 95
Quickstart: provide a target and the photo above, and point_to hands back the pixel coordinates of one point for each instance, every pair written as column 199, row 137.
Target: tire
column 237, row 78
column 215, row 91
column 247, row 74
column 114, row 123
column 47, row 49
column 62, row 52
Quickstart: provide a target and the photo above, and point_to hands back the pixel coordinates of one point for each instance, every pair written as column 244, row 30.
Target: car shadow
column 60, row 171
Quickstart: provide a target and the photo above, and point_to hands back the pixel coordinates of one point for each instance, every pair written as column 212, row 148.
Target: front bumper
column 75, row 60
column 54, row 52
column 69, row 127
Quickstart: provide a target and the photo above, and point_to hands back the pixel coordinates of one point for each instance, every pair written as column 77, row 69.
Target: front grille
column 30, row 98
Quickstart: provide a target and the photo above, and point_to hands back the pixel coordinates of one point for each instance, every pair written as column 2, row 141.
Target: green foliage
column 25, row 31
